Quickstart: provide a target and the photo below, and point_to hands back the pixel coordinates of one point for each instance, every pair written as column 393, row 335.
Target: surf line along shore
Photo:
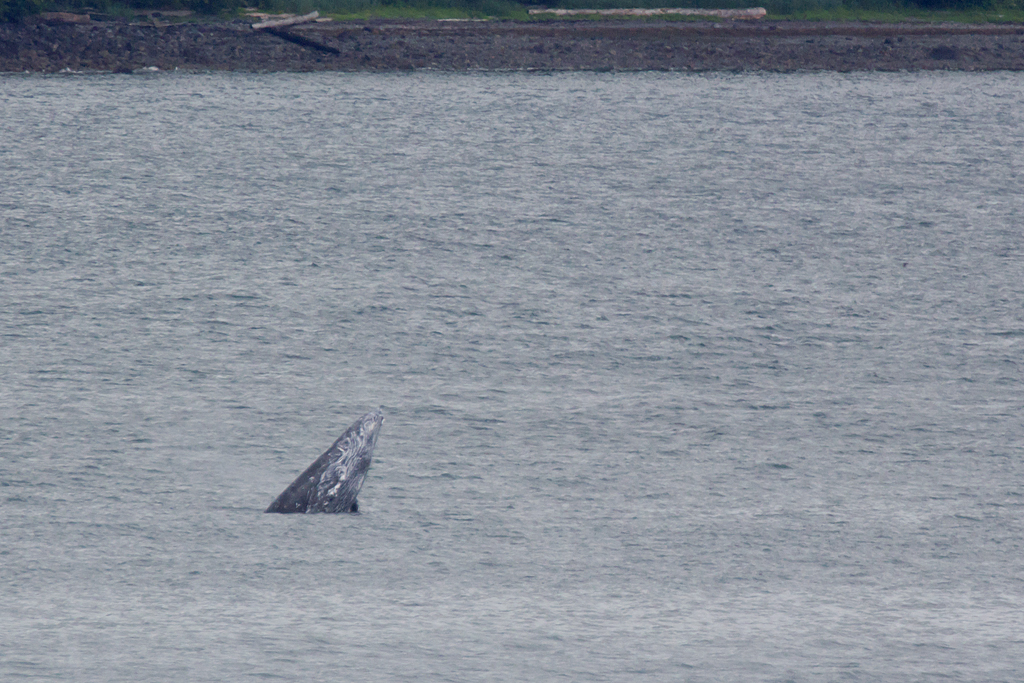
column 558, row 44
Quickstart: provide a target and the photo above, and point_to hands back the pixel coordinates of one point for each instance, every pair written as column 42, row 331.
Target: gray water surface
column 687, row 378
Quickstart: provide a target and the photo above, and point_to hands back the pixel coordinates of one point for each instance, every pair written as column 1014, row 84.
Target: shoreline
column 560, row 45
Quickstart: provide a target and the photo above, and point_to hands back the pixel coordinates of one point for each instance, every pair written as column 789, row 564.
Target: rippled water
column 692, row 378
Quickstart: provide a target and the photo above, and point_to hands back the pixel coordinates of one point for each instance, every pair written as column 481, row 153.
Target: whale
column 332, row 482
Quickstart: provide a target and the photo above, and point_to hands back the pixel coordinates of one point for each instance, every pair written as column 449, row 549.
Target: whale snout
column 371, row 424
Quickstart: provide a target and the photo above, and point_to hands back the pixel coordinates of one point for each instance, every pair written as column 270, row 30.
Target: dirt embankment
column 555, row 45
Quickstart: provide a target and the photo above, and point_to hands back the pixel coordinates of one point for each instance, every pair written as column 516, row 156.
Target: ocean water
column 686, row 377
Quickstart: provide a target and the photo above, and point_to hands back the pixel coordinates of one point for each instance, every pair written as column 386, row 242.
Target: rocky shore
column 550, row 45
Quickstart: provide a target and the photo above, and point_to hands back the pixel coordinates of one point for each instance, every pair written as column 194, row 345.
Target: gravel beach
column 505, row 45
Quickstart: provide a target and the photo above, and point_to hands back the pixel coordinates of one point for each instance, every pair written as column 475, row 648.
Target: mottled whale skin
column 332, row 482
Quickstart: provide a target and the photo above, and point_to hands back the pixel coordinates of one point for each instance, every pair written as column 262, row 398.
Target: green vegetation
column 13, row 10
column 967, row 11
column 994, row 15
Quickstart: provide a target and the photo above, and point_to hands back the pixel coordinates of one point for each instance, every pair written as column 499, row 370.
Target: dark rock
column 946, row 52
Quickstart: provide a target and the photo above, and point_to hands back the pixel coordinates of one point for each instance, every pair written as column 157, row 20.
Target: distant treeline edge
column 17, row 10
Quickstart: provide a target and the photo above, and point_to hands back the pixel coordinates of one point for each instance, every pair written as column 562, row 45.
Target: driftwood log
column 64, row 18
column 290, row 21
column 276, row 27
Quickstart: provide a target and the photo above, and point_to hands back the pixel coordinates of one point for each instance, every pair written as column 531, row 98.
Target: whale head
column 367, row 428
